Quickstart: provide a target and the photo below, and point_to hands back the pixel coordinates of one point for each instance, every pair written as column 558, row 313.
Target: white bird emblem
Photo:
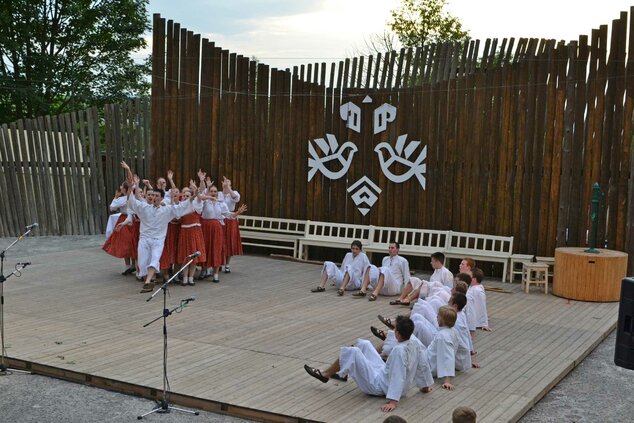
column 401, row 154
column 333, row 152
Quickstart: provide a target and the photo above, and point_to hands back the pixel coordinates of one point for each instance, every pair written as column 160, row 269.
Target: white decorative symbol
column 334, row 153
column 351, row 113
column 367, row 99
column 382, row 115
column 401, row 154
column 367, row 194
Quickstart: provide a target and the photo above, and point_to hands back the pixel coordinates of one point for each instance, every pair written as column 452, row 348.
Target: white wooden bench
column 487, row 248
column 413, row 242
column 333, row 235
column 517, row 260
column 271, row 232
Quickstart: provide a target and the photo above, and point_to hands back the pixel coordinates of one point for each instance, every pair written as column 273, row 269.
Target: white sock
column 216, row 276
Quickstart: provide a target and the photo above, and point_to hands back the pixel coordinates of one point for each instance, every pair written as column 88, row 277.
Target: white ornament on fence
column 364, row 191
column 388, row 156
column 336, row 159
column 351, row 113
column 341, row 155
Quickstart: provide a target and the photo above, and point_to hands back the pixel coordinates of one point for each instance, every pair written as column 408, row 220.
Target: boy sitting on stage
column 442, row 350
column 387, row 279
column 477, row 300
column 351, row 272
column 406, row 363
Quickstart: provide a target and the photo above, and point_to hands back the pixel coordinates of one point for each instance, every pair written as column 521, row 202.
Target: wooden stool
column 536, row 273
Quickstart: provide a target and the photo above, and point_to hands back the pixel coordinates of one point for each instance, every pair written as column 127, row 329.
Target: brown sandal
column 372, row 297
column 378, row 333
column 316, row 373
column 340, row 292
column 359, row 294
column 386, row 321
column 318, row 289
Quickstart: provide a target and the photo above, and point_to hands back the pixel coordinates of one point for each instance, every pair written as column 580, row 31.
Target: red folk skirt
column 169, row 256
column 214, row 234
column 190, row 239
column 136, row 234
column 233, row 243
column 120, row 243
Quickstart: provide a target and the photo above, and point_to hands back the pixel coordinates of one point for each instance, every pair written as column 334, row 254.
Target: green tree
column 419, row 22
column 61, row 55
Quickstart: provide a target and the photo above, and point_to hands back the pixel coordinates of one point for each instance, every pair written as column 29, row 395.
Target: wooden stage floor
column 243, row 342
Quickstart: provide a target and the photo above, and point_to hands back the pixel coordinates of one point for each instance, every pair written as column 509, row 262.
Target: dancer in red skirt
column 120, row 243
column 190, row 237
column 214, row 213
column 233, row 243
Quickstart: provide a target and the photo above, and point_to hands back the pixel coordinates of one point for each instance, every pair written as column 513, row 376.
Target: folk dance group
column 435, row 340
column 159, row 230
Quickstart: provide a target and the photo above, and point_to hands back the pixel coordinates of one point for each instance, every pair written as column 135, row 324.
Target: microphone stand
column 163, row 405
column 18, row 268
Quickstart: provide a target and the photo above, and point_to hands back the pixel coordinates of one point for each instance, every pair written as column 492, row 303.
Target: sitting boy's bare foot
column 426, row 390
column 487, row 329
column 475, row 365
column 448, row 386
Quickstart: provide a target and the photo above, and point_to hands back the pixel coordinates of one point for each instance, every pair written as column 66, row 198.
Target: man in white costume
column 415, row 287
column 349, row 275
column 441, row 273
column 406, row 364
column 476, row 298
column 442, row 350
column 154, row 220
column 387, row 279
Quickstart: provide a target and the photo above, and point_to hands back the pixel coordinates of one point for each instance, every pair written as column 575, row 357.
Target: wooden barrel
column 587, row 276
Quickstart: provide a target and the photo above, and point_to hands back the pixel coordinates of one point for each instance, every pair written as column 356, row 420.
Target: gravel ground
column 596, row 391
column 39, row 399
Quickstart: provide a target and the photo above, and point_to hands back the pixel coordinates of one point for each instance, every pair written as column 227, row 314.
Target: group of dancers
column 435, row 340
column 160, row 230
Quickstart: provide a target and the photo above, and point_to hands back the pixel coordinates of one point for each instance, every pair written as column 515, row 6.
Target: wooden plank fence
column 517, row 131
column 56, row 171
column 51, row 175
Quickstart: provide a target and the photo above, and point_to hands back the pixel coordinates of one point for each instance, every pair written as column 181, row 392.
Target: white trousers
column 423, row 329
column 364, row 365
column 426, row 310
column 150, row 250
column 336, row 275
column 390, row 285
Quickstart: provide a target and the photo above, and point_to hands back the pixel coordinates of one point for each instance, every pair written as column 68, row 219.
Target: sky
column 284, row 33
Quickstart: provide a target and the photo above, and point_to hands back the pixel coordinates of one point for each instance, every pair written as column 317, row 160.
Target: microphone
column 35, row 225
column 193, row 255
column 187, row 300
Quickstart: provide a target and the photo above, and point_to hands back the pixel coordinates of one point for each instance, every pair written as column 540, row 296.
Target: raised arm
column 201, row 178
column 128, row 171
column 226, row 189
column 170, row 178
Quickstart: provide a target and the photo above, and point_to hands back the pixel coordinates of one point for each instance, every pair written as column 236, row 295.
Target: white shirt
column 154, row 219
column 355, row 266
column 399, row 268
column 444, row 276
column 407, row 363
column 229, row 200
column 463, row 354
column 477, row 307
column 215, row 210
column 442, row 352
column 120, row 204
